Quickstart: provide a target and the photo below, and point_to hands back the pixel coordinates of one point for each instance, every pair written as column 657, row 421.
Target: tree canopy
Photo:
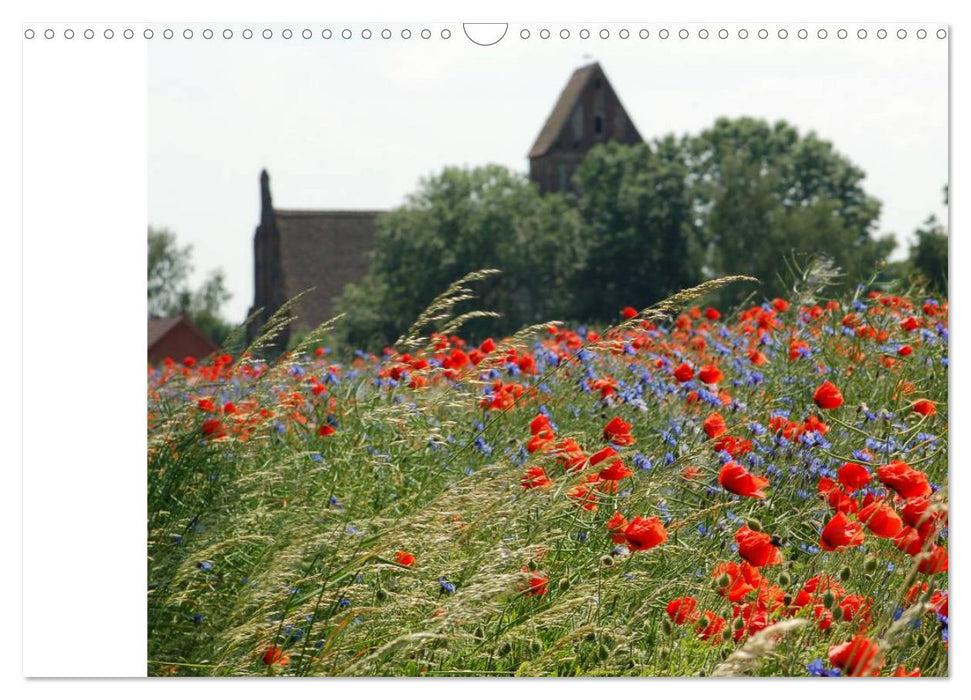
column 640, row 223
column 169, row 267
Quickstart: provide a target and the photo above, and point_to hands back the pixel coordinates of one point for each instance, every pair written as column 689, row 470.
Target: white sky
column 349, row 124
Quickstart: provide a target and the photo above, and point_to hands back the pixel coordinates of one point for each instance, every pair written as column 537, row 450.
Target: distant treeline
column 641, row 222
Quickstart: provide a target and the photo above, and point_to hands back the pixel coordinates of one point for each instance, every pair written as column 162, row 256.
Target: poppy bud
column 828, row 599
column 666, row 626
column 590, row 637
column 739, row 623
column 536, row 646
column 531, row 565
column 870, row 565
column 784, row 579
column 754, row 525
column 787, row 599
column 564, row 584
column 381, row 594
column 723, row 581
column 478, row 633
column 921, row 640
column 606, row 561
column 837, row 613
column 726, row 634
column 603, row 652
column 845, row 574
column 504, row 649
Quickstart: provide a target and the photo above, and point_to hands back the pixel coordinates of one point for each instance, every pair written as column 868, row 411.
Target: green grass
column 276, row 535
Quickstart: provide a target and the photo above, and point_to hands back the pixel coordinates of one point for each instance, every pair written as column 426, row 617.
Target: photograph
column 559, row 349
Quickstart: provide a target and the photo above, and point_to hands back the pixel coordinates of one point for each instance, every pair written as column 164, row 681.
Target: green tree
column 763, row 193
column 459, row 221
column 169, row 267
column 636, row 209
column 928, row 256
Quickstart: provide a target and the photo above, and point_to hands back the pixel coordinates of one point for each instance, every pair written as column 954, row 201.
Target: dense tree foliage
column 637, row 217
column 765, row 194
column 459, row 221
column 640, row 223
column 169, row 267
column 928, row 256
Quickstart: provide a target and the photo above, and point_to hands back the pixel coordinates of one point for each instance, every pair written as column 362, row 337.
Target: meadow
column 689, row 492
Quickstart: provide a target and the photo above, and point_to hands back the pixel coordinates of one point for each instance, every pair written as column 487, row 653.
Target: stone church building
column 295, row 250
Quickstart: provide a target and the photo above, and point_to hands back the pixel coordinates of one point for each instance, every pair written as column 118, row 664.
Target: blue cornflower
column 205, row 565
column 445, row 586
column 816, row 667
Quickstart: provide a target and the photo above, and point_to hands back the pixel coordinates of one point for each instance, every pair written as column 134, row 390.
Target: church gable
column 587, row 112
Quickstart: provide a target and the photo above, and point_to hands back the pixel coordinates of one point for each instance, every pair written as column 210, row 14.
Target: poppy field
column 690, row 492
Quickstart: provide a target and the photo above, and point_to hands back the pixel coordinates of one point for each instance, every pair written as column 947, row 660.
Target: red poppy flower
column 206, row 405
column 796, row 348
column 711, row 626
column 540, row 424
column 924, row 407
column 615, row 471
column 618, row 432
column 905, row 351
column 325, row 430
column 902, row 672
column 827, row 396
column 602, row 455
column 814, row 425
column 756, row 547
column 834, row 496
column 487, row 346
column 914, row 512
column 714, row 425
column 570, row 455
column 682, row 610
column 585, row 494
column 858, row 657
column 734, row 446
column 735, row 478
column 881, row 519
column 742, row 579
column 535, row 477
column 841, row 532
column 683, row 372
column 616, row 526
column 628, row 312
column 853, row 476
column 932, row 562
column 189, row 361
column 909, row 541
column 756, row 358
column 404, row 558
column 816, row 586
column 274, row 655
column 213, row 428
column 710, row 374
column 780, row 305
column 907, row 482
column 855, row 606
column 712, row 314
column 537, row 583
column 645, row 533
